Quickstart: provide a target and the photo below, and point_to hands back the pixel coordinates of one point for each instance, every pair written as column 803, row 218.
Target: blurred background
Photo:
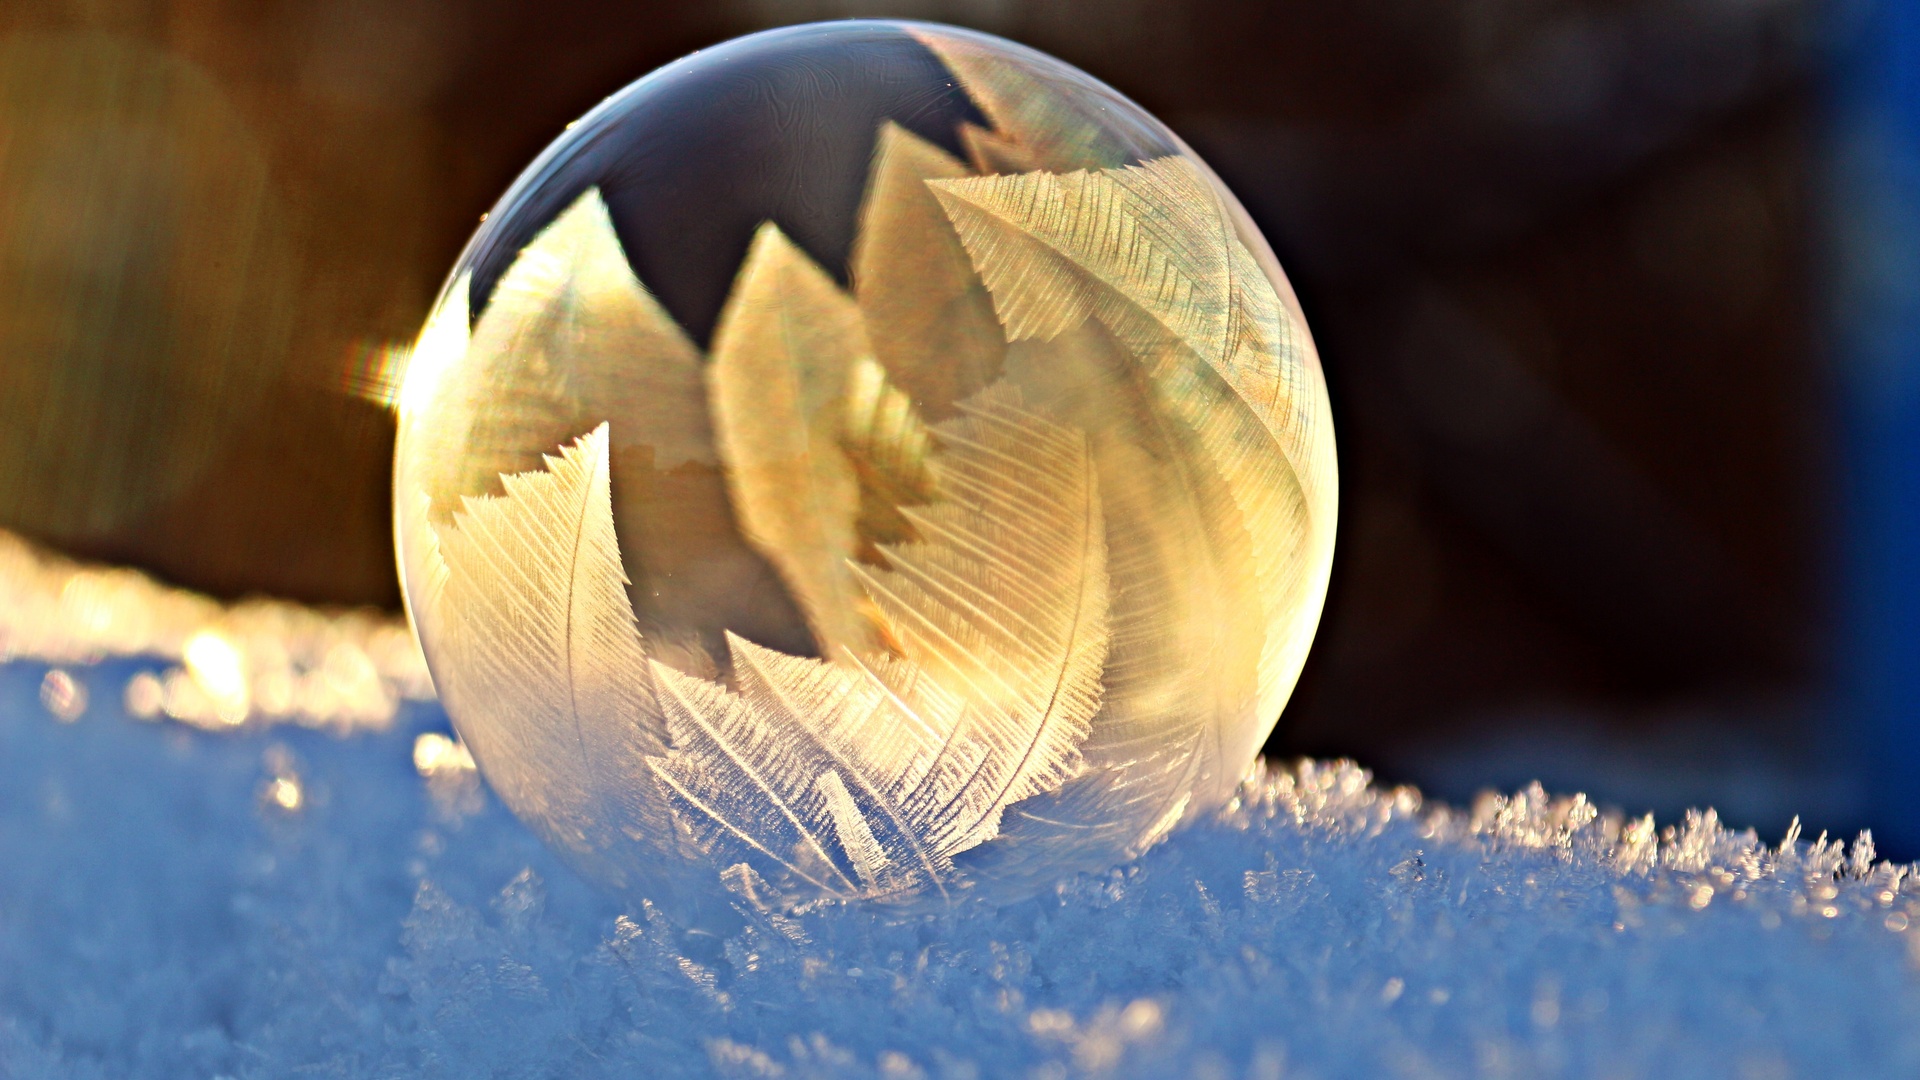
column 1619, row 302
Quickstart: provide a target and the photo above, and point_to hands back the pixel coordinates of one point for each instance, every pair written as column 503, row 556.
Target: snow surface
column 285, row 902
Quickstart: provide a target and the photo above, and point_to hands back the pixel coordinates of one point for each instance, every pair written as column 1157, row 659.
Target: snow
column 277, row 901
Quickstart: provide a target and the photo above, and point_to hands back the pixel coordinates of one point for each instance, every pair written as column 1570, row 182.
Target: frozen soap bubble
column 864, row 460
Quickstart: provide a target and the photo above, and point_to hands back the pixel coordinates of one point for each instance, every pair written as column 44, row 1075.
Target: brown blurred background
column 1555, row 253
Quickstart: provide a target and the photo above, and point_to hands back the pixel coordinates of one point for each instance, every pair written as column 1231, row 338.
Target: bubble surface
column 864, row 461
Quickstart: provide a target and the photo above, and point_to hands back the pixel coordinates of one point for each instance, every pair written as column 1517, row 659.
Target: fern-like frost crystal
column 868, row 462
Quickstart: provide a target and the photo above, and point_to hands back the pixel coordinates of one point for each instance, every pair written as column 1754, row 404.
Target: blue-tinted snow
column 163, row 914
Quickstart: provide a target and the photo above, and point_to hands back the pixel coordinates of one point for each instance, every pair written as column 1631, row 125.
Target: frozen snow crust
column 283, row 902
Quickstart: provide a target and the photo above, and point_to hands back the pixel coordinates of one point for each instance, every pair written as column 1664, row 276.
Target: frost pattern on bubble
column 890, row 768
column 996, row 562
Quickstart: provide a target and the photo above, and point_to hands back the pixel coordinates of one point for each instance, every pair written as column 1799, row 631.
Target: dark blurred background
column 1616, row 300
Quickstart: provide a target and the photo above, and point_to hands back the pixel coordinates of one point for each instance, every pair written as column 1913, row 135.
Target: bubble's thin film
column 864, row 461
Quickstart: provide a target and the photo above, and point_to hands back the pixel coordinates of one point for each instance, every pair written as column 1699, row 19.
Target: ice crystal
column 162, row 913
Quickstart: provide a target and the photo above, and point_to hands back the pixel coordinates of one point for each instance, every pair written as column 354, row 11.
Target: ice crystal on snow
column 162, row 914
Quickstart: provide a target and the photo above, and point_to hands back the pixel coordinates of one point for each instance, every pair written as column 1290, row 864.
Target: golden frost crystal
column 864, row 461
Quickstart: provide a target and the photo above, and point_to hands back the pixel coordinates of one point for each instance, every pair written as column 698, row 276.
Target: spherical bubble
column 864, row 461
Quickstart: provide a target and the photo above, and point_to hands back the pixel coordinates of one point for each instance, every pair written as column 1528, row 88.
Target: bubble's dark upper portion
column 778, row 126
